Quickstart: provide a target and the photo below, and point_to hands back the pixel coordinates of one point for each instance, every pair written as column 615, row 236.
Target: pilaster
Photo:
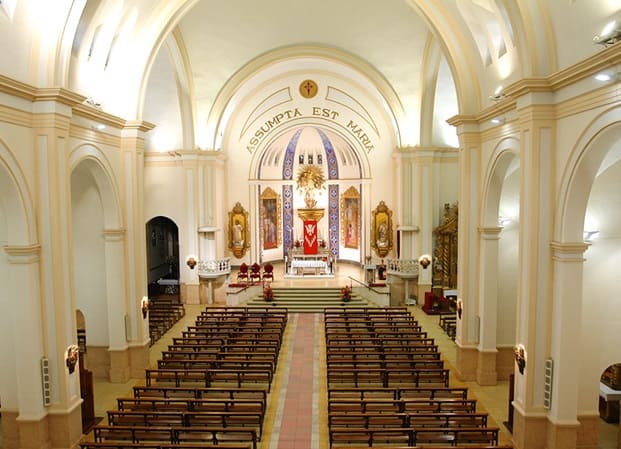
column 51, row 119
column 131, row 186
column 488, row 310
column 537, row 154
column 467, row 331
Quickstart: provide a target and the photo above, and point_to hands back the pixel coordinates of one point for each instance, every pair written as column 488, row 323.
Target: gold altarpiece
column 445, row 253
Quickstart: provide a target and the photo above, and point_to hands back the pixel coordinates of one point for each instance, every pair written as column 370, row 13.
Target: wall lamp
column 191, row 262
column 520, row 357
column 611, row 34
column 424, row 260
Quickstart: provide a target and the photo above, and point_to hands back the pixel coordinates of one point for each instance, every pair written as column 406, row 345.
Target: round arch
column 505, row 154
column 95, row 162
column 14, row 193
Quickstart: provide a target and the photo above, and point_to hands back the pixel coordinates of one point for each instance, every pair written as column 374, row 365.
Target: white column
column 567, row 261
column 114, row 241
column 488, row 305
column 27, row 329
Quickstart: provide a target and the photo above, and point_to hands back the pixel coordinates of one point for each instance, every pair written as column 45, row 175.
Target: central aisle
column 296, row 421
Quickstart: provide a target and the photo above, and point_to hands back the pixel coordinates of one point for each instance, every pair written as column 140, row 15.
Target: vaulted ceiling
column 189, row 65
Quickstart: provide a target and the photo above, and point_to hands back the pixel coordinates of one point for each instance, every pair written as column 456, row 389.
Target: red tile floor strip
column 297, row 418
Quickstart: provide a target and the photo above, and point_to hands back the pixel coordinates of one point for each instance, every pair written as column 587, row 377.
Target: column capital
column 23, row 254
column 490, row 233
column 114, row 235
column 568, row 251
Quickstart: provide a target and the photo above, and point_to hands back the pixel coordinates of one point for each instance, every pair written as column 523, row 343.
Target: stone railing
column 214, row 268
column 402, row 267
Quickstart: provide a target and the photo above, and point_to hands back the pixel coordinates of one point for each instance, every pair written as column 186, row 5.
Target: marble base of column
column 33, row 434
column 588, row 433
column 420, row 292
column 190, row 294
column 486, row 368
column 466, row 363
column 97, row 360
column 505, row 363
column 119, row 366
column 529, row 432
column 138, row 360
column 10, row 429
column 66, row 427
column 562, row 436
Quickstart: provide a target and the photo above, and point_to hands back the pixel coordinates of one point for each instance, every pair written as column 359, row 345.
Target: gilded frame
column 381, row 230
column 239, row 234
column 350, row 218
column 271, row 219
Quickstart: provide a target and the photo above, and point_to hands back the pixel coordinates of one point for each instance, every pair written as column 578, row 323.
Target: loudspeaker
column 547, row 383
column 45, row 381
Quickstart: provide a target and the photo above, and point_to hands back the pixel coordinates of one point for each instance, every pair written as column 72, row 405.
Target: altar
column 300, row 264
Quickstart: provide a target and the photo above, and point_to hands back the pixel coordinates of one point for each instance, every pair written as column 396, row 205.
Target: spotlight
column 610, row 35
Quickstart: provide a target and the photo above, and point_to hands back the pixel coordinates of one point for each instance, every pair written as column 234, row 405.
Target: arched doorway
column 162, row 256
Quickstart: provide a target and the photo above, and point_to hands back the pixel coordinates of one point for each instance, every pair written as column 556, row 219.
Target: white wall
column 508, row 262
column 601, row 305
column 89, row 256
column 8, row 375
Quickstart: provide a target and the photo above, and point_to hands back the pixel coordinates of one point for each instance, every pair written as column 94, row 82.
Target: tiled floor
column 298, row 394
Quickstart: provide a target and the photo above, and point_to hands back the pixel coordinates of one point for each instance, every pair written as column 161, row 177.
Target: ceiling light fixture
column 611, row 34
column 498, row 94
column 498, row 120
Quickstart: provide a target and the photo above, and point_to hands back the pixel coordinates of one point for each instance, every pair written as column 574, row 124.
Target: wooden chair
column 242, row 274
column 255, row 272
column 268, row 272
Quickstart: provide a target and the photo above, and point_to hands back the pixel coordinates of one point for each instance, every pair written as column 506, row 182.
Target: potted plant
column 268, row 293
column 346, row 293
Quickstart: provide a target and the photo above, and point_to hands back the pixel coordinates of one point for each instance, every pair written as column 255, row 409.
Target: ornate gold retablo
column 310, row 214
column 308, row 88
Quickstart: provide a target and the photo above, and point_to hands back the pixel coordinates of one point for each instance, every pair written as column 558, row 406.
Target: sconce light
column 498, row 120
column 144, row 306
column 610, row 35
column 520, row 357
column 71, row 357
column 191, row 262
column 460, row 308
column 424, row 260
column 588, row 236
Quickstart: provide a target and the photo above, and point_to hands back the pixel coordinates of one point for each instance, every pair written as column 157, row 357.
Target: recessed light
column 603, row 77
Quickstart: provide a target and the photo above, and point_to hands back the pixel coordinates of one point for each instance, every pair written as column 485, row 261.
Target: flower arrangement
column 346, row 293
column 310, row 178
column 268, row 293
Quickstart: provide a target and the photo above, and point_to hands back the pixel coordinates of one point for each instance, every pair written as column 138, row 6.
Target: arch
column 583, row 165
column 392, row 103
column 15, row 195
column 96, row 163
column 504, row 155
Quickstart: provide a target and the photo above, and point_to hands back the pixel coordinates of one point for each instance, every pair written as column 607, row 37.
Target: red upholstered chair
column 255, row 272
column 268, row 271
column 242, row 274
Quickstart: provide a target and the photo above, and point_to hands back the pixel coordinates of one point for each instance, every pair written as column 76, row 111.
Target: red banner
column 310, row 237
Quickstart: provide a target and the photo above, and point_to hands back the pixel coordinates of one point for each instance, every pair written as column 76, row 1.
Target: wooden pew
column 191, row 404
column 259, row 394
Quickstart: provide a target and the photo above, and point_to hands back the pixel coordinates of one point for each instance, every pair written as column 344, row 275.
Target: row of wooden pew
column 387, row 384
column 163, row 313
column 210, row 387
